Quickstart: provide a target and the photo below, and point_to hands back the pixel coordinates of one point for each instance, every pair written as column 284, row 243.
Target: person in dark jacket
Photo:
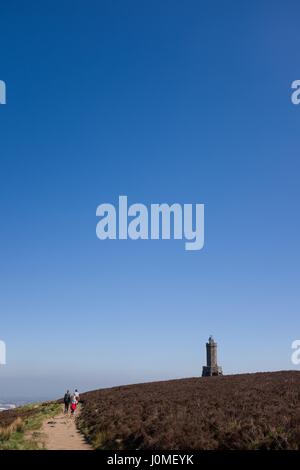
column 67, row 400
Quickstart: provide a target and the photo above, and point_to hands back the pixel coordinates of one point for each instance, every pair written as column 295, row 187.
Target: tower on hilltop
column 211, row 367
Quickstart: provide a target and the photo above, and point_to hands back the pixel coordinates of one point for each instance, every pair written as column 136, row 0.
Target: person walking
column 67, row 400
column 73, row 405
column 76, row 394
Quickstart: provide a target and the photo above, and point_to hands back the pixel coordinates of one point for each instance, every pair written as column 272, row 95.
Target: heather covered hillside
column 248, row 411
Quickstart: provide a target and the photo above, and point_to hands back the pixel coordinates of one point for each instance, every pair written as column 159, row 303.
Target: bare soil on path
column 61, row 433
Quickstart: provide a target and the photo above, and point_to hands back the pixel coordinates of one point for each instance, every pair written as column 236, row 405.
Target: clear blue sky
column 164, row 101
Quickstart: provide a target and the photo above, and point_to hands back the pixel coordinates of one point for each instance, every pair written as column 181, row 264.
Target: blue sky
column 164, row 101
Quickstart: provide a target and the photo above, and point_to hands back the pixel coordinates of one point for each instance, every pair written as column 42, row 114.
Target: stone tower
column 211, row 367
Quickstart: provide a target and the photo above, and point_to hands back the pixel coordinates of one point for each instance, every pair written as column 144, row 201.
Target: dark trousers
column 67, row 407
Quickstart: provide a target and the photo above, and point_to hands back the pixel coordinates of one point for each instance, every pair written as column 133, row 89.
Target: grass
column 19, row 428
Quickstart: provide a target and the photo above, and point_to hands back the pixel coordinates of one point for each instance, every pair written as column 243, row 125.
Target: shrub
column 247, row 411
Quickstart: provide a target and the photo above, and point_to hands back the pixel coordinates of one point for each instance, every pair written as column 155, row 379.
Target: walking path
column 61, row 434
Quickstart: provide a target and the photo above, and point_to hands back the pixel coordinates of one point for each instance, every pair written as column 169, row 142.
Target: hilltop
column 247, row 411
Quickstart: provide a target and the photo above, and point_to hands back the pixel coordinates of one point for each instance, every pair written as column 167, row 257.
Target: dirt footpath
column 61, row 434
